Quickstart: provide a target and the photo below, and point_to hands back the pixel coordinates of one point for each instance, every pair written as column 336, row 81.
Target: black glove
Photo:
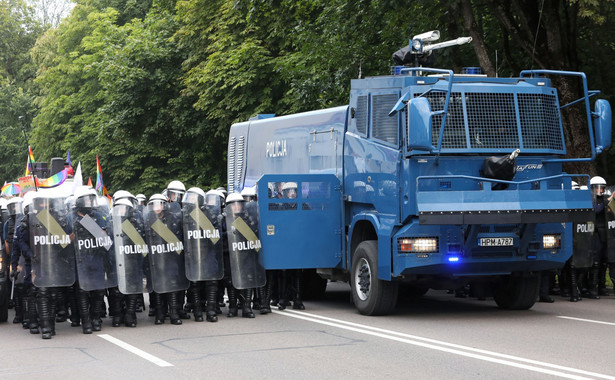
column 15, row 273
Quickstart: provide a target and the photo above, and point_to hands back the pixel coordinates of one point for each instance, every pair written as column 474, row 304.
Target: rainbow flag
column 90, row 182
column 30, row 161
column 53, row 181
column 99, row 178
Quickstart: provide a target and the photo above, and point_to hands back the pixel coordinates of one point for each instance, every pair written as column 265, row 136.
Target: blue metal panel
column 305, row 232
column 292, row 144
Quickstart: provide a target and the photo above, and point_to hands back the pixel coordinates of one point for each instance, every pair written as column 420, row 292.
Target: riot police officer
column 598, row 272
column 15, row 213
column 53, row 260
column 292, row 279
column 21, row 261
column 204, row 249
column 175, row 193
column 164, row 233
column 130, row 253
column 95, row 263
column 245, row 255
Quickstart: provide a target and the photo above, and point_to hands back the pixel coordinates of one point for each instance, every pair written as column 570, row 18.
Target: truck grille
column 236, row 152
column 493, row 121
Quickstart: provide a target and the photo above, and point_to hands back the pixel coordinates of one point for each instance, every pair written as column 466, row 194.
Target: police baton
column 12, row 287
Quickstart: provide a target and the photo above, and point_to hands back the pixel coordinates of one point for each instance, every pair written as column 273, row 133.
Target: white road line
column 586, row 320
column 136, row 351
column 490, row 356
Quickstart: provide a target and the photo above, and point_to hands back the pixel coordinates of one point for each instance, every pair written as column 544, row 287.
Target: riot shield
column 93, row 249
column 583, row 247
column 130, row 249
column 245, row 249
column 53, row 260
column 163, row 232
column 610, row 231
column 202, row 239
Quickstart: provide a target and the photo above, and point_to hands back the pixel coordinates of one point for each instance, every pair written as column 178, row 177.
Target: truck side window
column 385, row 127
column 361, row 114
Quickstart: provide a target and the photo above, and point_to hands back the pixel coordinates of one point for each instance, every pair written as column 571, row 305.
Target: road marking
column 490, row 356
column 136, row 351
column 587, row 320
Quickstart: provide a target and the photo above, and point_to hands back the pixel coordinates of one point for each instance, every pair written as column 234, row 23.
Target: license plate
column 495, row 242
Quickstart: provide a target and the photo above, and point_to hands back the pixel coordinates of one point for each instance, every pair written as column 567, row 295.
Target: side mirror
column 602, row 125
column 419, row 125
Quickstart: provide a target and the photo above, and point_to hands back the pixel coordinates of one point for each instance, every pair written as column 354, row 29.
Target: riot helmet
column 598, row 185
column 157, row 202
column 289, row 190
column 213, row 198
column 575, row 185
column 27, row 201
column 249, row 194
column 222, row 190
column 141, row 199
column 123, row 207
column 85, row 198
column 194, row 195
column 3, row 203
column 14, row 206
column 236, row 202
column 175, row 191
column 123, row 194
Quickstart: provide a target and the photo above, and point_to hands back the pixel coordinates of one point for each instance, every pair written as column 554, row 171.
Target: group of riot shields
column 159, row 247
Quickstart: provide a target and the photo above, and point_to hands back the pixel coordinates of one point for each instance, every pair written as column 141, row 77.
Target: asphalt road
column 436, row 337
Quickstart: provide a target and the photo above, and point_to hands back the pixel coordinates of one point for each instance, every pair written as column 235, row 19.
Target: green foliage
column 152, row 87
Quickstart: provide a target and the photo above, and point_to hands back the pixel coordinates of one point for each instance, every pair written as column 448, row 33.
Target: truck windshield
column 480, row 122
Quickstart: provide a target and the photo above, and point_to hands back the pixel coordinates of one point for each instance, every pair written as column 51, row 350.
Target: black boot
column 60, row 304
column 574, row 289
column 264, row 306
column 152, row 305
column 18, row 304
column 98, row 307
column 211, row 290
column 283, row 291
column 130, row 319
column 32, row 310
column 194, row 299
column 156, row 299
column 298, row 288
column 593, row 282
column 232, row 299
column 181, row 295
column 43, row 304
column 83, row 301
column 115, row 307
column 246, row 310
column 75, row 315
column 174, row 306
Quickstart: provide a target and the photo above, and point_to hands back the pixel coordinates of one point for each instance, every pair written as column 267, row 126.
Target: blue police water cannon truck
column 426, row 179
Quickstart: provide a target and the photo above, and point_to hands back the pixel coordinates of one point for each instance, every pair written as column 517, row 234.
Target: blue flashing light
column 453, row 259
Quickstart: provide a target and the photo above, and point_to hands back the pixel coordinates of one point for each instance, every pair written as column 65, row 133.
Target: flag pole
column 23, row 128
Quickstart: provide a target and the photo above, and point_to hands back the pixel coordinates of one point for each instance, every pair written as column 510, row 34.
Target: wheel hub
column 363, row 278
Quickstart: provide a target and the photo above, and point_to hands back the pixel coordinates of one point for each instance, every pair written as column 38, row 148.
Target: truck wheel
column 517, row 292
column 371, row 296
column 314, row 286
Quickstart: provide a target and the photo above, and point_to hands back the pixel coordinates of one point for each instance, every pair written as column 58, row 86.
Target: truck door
column 303, row 232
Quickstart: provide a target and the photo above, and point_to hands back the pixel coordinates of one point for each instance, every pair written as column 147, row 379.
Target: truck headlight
column 418, row 245
column 551, row 241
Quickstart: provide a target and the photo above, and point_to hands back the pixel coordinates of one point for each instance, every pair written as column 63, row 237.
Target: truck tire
column 314, row 286
column 370, row 295
column 517, row 292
